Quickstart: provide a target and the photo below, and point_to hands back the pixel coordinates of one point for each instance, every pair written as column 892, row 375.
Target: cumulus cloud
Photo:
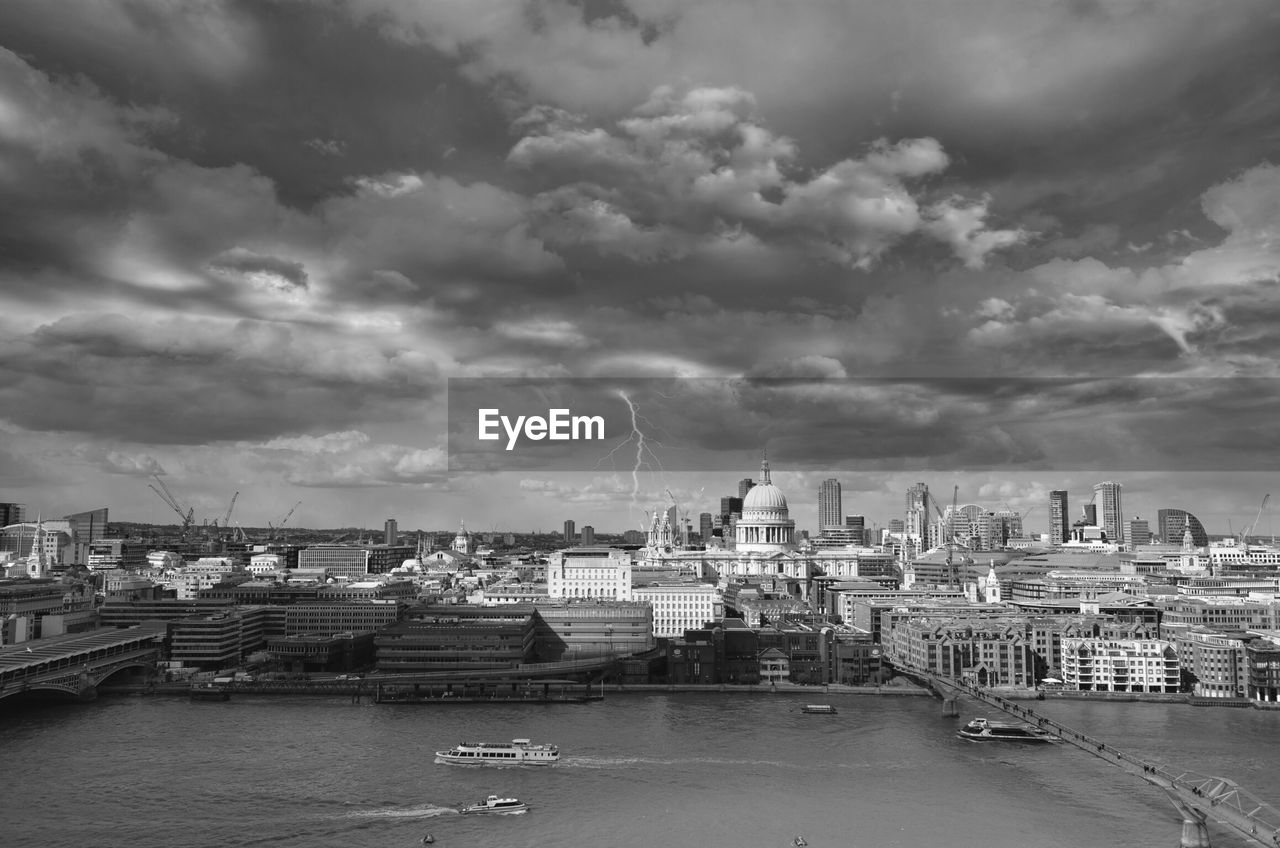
column 687, row 165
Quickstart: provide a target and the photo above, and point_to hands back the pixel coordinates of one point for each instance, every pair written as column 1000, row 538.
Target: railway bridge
column 1197, row 797
column 75, row 664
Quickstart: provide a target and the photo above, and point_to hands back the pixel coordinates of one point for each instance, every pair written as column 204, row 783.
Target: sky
column 1005, row 245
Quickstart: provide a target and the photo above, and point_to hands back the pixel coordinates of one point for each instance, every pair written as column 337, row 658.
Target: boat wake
column 623, row 762
column 426, row 811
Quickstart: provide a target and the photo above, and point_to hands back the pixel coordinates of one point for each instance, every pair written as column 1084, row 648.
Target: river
column 671, row 770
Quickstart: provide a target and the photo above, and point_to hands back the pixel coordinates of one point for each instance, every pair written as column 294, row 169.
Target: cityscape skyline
column 1050, row 228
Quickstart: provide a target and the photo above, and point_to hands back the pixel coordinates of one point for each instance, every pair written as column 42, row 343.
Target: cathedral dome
column 764, row 496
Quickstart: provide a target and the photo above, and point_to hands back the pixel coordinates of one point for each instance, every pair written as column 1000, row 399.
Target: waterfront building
column 1215, row 660
column 220, row 640
column 1262, row 658
column 723, row 651
column 457, row 639
column 983, row 651
column 830, row 510
column 678, row 607
column 603, row 573
column 320, row 653
column 1172, row 524
column 1059, row 517
column 1120, row 665
column 569, row 630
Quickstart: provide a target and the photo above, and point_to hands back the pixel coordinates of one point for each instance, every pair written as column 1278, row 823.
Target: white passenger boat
column 985, row 730
column 494, row 804
column 516, row 752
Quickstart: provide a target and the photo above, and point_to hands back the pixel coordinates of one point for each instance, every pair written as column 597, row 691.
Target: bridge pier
column 950, row 707
column 1194, row 832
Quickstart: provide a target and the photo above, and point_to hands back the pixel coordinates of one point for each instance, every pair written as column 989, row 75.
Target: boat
column 799, row 840
column 821, row 709
column 986, row 730
column 428, row 840
column 209, row 692
column 516, row 752
column 494, row 804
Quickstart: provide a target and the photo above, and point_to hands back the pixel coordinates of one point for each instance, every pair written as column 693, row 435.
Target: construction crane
column 226, row 519
column 279, row 525
column 1249, row 528
column 187, row 515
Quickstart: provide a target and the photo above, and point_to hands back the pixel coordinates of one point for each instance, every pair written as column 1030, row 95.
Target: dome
column 764, row 496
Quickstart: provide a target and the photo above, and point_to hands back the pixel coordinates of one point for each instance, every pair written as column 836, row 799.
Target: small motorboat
column 494, row 804
column 800, row 840
column 428, row 839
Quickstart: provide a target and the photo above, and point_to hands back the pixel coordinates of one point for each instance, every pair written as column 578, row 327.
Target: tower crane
column 226, row 519
column 1244, row 534
column 279, row 525
column 187, row 515
column 951, row 534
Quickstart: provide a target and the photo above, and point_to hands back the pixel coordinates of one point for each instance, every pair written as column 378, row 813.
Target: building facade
column 603, row 573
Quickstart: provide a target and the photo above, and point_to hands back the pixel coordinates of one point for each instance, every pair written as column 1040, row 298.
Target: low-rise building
column 680, row 606
column 603, row 573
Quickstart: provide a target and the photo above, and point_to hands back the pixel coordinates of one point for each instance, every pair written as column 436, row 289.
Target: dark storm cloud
column 247, row 223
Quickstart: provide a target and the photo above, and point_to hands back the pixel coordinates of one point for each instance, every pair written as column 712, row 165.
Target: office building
column 678, row 607
column 1137, row 531
column 830, row 508
column 745, row 485
column 601, row 573
column 858, row 524
column 1059, row 517
column 1107, row 496
column 335, row 560
column 86, row 528
column 588, row 535
column 706, row 523
column 570, row 531
column 1172, row 524
column 390, row 533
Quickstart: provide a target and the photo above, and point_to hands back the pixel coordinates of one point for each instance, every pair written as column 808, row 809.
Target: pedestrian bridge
column 1197, row 797
column 75, row 664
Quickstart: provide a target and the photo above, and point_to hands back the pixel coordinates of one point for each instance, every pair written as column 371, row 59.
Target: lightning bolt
column 643, row 449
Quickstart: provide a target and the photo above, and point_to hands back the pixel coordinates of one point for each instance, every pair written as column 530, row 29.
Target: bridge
column 1196, row 796
column 75, row 664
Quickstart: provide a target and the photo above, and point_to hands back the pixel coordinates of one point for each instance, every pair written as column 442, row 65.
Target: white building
column 1120, row 665
column 678, row 607
column 260, row 564
column 201, row 574
column 603, row 573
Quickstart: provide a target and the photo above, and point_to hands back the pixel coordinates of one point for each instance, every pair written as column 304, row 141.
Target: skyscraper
column 11, row 513
column 570, row 529
column 744, row 486
column 389, row 532
column 917, row 517
column 829, row 507
column 588, row 535
column 1171, row 523
column 1059, row 517
column 1107, row 495
column 705, row 526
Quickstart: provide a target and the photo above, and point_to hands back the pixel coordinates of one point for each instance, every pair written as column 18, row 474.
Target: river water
column 671, row 770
